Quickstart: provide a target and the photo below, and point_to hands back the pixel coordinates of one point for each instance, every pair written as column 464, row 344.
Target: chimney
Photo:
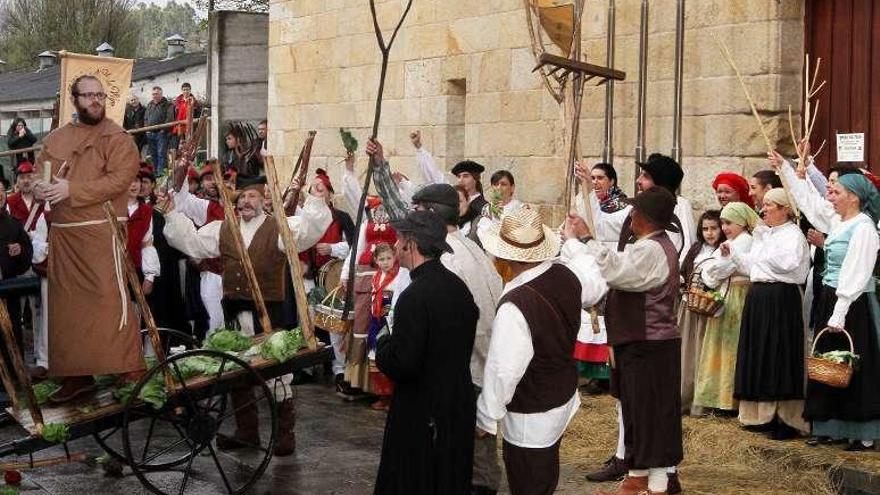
column 105, row 50
column 47, row 59
column 176, row 45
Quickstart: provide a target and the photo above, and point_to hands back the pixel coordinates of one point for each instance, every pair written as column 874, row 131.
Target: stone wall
column 461, row 72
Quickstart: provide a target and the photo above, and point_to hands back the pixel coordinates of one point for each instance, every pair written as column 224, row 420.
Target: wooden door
column 846, row 34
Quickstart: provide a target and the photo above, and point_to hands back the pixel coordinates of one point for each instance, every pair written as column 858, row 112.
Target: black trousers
column 531, row 471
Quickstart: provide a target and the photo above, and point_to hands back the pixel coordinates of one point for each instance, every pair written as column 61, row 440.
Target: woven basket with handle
column 833, row 374
column 699, row 299
column 329, row 318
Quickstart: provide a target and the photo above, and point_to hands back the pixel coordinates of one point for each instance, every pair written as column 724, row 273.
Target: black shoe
column 300, row 377
column 345, row 391
column 857, row 446
column 764, row 428
column 674, row 485
column 783, row 432
column 482, row 490
column 614, row 470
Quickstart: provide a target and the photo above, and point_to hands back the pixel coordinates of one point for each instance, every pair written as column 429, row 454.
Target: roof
column 43, row 85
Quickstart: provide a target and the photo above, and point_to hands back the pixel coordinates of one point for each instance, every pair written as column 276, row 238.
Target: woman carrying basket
column 847, row 303
column 717, row 365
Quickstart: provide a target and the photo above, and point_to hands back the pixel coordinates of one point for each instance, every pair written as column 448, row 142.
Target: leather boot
column 674, row 485
column 247, row 422
column 631, row 485
column 613, row 470
column 286, row 443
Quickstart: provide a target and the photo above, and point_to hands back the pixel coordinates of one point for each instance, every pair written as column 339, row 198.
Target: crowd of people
column 471, row 317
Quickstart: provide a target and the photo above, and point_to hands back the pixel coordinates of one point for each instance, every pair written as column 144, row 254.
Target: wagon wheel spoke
column 245, row 406
column 148, row 437
column 183, row 386
column 164, row 451
column 184, row 436
column 216, row 378
column 109, row 434
column 220, row 468
column 186, row 472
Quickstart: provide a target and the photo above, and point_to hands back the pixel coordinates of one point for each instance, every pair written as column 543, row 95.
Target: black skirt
column 861, row 400
column 647, row 380
column 770, row 357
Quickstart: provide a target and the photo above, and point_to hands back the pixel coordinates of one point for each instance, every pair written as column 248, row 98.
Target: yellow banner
column 114, row 74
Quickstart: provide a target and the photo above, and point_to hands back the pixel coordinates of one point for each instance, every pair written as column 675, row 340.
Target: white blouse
column 719, row 268
column 858, row 265
column 778, row 254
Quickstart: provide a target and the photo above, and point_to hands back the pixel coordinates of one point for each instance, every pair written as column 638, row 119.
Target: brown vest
column 551, row 305
column 649, row 315
column 269, row 263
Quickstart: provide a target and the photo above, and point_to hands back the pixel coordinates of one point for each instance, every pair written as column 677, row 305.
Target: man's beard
column 84, row 116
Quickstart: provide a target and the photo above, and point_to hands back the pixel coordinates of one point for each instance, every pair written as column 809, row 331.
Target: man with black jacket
column 159, row 111
column 15, row 257
column 134, row 119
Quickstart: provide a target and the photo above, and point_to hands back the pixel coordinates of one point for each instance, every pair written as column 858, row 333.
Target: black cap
column 442, row 194
column 427, row 227
column 468, row 166
column 664, row 171
column 243, row 182
column 658, row 205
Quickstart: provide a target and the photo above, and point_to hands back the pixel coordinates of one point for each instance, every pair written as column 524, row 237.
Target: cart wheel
column 174, row 449
column 111, row 439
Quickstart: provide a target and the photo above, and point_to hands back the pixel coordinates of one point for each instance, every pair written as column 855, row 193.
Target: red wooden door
column 846, row 35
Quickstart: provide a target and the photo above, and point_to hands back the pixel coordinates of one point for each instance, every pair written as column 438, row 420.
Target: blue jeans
column 158, row 142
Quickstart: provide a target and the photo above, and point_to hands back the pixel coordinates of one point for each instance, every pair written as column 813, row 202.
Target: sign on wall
column 851, row 147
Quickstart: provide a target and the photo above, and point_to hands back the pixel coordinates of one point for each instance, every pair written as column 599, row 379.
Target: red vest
column 332, row 235
column 19, row 210
column 138, row 225
column 377, row 233
column 215, row 213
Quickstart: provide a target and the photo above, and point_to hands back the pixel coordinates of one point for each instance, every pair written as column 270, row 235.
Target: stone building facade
column 460, row 71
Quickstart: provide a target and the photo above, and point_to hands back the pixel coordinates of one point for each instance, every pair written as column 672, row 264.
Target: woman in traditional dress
column 847, row 302
column 730, row 187
column 693, row 325
column 717, row 362
column 770, row 371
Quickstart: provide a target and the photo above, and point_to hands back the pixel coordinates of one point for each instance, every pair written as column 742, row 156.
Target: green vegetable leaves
column 282, row 345
column 350, row 143
column 840, row 357
column 56, row 432
column 153, row 392
column 44, row 389
column 228, row 341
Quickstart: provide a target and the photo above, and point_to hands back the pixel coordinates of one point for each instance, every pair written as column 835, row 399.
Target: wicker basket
column 699, row 299
column 330, row 318
column 833, row 374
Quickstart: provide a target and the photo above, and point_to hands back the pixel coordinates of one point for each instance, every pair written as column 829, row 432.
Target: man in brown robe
column 93, row 328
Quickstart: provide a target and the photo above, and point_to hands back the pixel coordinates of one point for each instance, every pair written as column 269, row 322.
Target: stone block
column 433, row 110
column 476, row 34
column 423, row 78
column 326, row 25
column 734, row 135
column 521, row 106
column 495, row 71
column 364, row 50
column 522, row 61
column 483, row 107
column 455, row 67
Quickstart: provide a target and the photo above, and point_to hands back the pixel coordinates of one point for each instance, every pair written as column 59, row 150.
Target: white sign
column 851, row 147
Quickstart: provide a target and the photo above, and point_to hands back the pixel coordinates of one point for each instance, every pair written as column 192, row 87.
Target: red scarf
column 379, row 285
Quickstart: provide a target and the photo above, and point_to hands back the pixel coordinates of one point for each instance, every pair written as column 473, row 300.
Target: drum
column 330, row 274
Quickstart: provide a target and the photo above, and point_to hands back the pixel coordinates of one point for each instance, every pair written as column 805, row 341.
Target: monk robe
column 93, row 327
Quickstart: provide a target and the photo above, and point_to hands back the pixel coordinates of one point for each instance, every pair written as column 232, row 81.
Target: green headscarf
column 869, row 198
column 741, row 214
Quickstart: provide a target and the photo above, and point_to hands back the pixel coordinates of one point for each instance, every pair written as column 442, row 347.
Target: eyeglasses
column 93, row 96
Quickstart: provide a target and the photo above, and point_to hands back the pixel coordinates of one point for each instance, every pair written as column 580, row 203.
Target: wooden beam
column 581, row 67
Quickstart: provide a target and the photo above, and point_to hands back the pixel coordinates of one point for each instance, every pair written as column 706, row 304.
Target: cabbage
column 153, row 392
column 227, row 341
column 44, row 389
column 56, row 432
column 282, row 345
column 201, row 365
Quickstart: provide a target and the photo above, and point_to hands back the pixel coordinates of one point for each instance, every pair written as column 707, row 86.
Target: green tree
column 28, row 27
column 159, row 22
column 243, row 5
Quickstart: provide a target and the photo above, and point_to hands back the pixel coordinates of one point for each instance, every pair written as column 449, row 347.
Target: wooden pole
column 135, row 283
column 8, row 384
column 244, row 256
column 770, row 148
column 49, row 461
column 291, row 250
column 18, row 367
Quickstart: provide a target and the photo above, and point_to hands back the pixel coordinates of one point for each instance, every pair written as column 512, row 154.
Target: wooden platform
column 102, row 404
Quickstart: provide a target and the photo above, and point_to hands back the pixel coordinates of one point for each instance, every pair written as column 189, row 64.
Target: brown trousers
column 531, row 471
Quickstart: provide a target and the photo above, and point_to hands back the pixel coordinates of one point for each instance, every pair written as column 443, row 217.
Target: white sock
column 672, row 470
column 657, row 480
column 638, row 473
column 868, row 443
column 621, row 447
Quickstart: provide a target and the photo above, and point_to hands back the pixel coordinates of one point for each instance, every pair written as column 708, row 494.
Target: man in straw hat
column 266, row 249
column 644, row 336
column 429, row 435
column 470, row 263
column 530, row 380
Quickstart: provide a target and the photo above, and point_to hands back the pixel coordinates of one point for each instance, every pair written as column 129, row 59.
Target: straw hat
column 522, row 237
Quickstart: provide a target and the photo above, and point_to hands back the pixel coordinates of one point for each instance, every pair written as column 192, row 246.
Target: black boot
column 286, row 443
column 613, row 470
column 674, row 485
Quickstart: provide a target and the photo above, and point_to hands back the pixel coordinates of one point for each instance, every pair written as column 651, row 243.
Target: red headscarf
column 322, row 176
column 738, row 183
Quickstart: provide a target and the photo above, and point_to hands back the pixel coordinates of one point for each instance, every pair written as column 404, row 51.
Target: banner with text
column 114, row 74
